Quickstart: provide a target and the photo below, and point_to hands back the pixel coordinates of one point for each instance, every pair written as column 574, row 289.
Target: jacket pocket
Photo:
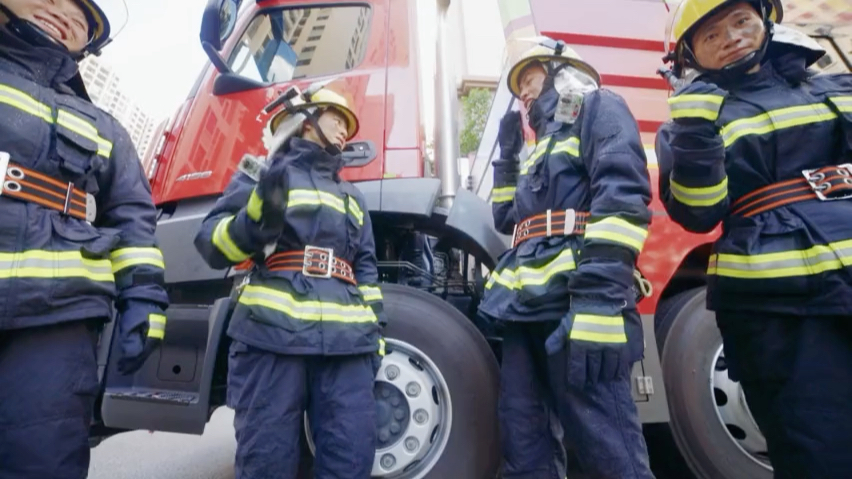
column 542, row 271
column 83, row 266
column 774, row 257
column 81, row 149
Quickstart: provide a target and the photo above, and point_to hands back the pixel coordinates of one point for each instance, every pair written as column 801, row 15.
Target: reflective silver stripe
column 356, row 210
column 774, row 120
column 370, row 293
column 223, row 242
column 533, row 276
column 24, row 102
column 705, row 106
column 599, row 329
column 156, row 326
column 314, row 197
column 843, row 103
column 503, row 194
column 54, row 264
column 305, row 310
column 127, row 257
column 618, row 231
column 84, row 129
column 783, row 264
column 700, row 196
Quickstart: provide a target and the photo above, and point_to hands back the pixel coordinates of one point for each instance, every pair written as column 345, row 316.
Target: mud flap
column 172, row 391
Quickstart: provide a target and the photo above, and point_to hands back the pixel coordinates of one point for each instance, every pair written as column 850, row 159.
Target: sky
column 158, row 56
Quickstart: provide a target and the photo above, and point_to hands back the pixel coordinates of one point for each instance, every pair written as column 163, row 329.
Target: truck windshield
column 285, row 44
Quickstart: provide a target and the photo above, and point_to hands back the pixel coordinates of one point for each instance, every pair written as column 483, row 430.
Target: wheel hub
column 733, row 412
column 414, row 414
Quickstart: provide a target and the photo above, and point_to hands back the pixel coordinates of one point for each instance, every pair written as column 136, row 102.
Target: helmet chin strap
column 329, row 147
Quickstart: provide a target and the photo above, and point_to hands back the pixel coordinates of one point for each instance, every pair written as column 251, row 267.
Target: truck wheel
column 710, row 420
column 436, row 393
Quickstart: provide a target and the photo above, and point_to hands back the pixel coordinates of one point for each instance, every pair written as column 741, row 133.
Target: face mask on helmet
column 571, row 80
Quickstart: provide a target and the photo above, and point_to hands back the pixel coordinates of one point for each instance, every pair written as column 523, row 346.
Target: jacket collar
column 47, row 67
column 312, row 156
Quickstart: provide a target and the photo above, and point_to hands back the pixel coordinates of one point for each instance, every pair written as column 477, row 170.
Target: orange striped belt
column 25, row 184
column 828, row 183
column 314, row 262
column 550, row 223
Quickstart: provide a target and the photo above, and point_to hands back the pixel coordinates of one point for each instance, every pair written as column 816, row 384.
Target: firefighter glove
column 697, row 103
column 141, row 330
column 510, row 136
column 594, row 340
column 272, row 193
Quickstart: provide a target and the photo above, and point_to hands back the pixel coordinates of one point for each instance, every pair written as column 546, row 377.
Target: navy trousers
column 600, row 422
column 48, row 386
column 797, row 377
column 270, row 392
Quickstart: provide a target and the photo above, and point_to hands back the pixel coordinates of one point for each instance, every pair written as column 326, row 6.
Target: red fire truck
column 435, row 239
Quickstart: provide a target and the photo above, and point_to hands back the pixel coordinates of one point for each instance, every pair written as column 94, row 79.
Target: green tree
column 475, row 106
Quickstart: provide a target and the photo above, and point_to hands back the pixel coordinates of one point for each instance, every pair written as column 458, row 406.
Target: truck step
column 153, row 395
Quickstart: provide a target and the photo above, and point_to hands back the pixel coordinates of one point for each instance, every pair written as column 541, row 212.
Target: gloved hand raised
column 141, row 330
column 595, row 335
column 697, row 103
column 510, row 136
column 268, row 203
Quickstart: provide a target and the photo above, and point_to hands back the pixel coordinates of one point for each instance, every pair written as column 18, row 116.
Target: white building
column 104, row 88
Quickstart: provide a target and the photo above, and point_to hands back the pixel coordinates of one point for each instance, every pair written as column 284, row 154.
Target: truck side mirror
column 218, row 21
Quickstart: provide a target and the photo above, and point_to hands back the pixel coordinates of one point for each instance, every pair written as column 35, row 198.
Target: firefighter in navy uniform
column 76, row 239
column 762, row 145
column 578, row 210
column 307, row 327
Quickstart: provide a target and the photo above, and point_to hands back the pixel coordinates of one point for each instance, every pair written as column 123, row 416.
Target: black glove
column 272, row 191
column 510, row 135
column 141, row 330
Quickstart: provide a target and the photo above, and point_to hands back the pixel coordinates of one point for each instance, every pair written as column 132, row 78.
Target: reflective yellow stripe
column 356, row 210
column 598, row 329
column 315, row 197
column 843, row 103
column 570, row 145
column 784, row 264
column 703, row 196
column 529, row 276
column 84, row 129
column 503, row 195
column 370, row 293
column 705, row 106
column 381, row 347
column 774, row 120
column 26, row 103
column 127, row 257
column 156, row 326
column 305, row 310
column 254, row 207
column 618, row 231
column 222, row 240
column 54, row 264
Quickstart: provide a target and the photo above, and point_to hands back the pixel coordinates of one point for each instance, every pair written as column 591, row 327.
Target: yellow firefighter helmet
column 545, row 52
column 686, row 15
column 322, row 99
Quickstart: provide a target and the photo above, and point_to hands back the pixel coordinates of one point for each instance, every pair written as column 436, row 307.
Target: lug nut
column 385, row 393
column 394, row 428
column 388, row 461
column 412, row 389
column 392, row 372
column 394, row 401
column 421, row 416
column 384, row 435
column 411, row 444
column 399, row 414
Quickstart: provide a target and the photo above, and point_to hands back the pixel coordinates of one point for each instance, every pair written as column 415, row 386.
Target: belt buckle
column 325, row 254
column 570, row 222
column 820, row 187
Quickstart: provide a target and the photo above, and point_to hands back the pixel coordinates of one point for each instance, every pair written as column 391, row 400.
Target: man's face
column 63, row 20
column 531, row 83
column 333, row 125
column 728, row 36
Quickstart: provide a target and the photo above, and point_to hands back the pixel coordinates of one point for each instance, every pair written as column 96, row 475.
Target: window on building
column 269, row 53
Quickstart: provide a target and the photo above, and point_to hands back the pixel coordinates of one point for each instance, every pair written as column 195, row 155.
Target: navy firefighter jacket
column 790, row 259
column 596, row 166
column 56, row 267
column 289, row 312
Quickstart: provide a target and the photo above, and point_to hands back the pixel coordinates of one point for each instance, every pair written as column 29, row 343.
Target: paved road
column 142, row 455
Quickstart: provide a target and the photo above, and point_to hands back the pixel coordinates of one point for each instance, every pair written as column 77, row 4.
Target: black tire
column 688, row 355
column 470, row 370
